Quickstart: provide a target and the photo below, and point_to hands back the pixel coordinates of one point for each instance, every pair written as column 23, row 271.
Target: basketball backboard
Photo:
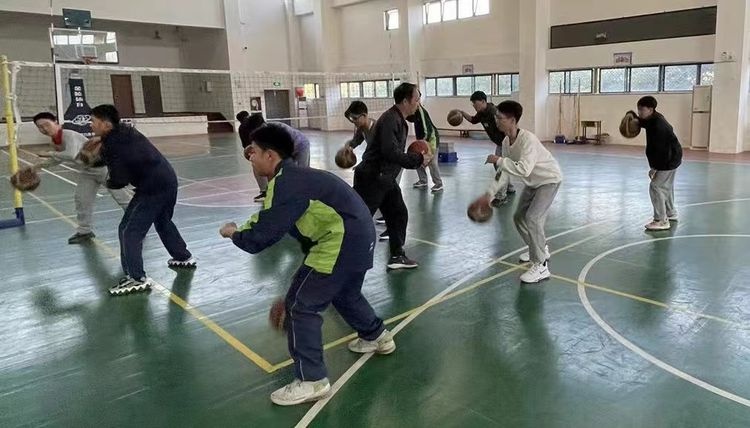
column 80, row 45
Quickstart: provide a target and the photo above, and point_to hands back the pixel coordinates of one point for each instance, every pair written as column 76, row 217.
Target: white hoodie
column 529, row 160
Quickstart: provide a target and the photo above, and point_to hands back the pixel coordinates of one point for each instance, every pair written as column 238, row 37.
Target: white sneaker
column 537, row 272
column 526, row 257
column 659, row 225
column 672, row 218
column 129, row 285
column 299, row 392
column 384, row 344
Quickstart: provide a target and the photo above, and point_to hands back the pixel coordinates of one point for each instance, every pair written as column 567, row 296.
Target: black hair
column 107, row 112
column 45, row 115
column 478, row 96
column 511, row 108
column 647, row 101
column 242, row 115
column 254, row 121
column 356, row 108
column 272, row 136
column 404, row 91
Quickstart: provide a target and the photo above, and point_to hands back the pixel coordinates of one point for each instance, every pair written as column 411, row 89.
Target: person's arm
column 357, row 139
column 117, row 167
column 473, row 119
column 388, row 135
column 526, row 162
column 500, row 182
column 268, row 226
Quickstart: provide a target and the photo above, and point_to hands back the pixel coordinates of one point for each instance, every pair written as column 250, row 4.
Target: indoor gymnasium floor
column 633, row 330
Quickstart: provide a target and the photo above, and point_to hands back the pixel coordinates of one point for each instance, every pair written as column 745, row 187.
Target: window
column 612, row 80
column 644, row 79
column 368, row 89
column 429, row 87
column 680, row 77
column 483, row 83
column 344, row 88
column 515, row 81
column 556, row 82
column 450, row 10
column 312, row 90
column 391, row 19
column 392, row 84
column 445, row 87
column 580, row 81
column 707, row 74
column 504, row 84
column 464, row 85
column 381, row 89
column 354, row 90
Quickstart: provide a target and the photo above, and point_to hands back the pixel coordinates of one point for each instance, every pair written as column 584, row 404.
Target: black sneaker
column 261, row 197
column 384, row 236
column 498, row 202
column 129, row 285
column 511, row 190
column 80, row 238
column 189, row 263
column 401, row 262
column 380, row 220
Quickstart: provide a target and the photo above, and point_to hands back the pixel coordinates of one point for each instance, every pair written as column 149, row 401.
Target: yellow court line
column 200, row 316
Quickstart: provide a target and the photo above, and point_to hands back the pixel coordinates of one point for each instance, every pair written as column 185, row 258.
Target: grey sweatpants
column 434, row 172
column 301, row 158
column 88, row 183
column 503, row 151
column 661, row 190
column 531, row 215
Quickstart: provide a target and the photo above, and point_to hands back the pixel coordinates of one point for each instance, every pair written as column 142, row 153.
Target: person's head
column 357, row 114
column 646, row 106
column 479, row 101
column 241, row 116
column 47, row 124
column 104, row 118
column 270, row 144
column 508, row 115
column 254, row 121
column 406, row 96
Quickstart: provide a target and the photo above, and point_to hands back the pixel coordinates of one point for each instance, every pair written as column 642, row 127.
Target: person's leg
column 84, row 197
column 139, row 217
column 535, row 219
column 670, row 206
column 502, row 194
column 658, row 191
column 437, row 181
column 519, row 217
column 422, row 178
column 168, row 233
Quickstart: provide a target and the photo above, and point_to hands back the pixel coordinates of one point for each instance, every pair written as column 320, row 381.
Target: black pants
column 311, row 293
column 383, row 193
column 142, row 212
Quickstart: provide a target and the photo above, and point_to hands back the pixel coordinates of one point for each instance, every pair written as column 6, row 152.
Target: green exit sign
column 276, row 83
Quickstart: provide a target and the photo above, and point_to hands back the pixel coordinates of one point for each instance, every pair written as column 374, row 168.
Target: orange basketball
column 345, row 158
column 479, row 211
column 277, row 315
column 419, row 146
column 455, row 117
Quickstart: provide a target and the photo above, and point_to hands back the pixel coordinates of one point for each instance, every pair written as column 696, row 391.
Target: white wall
column 262, row 43
column 490, row 42
column 573, row 11
column 365, row 45
column 197, row 13
column 309, row 60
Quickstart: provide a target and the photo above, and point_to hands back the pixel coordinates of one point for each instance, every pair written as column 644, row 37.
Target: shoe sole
column 130, row 290
column 183, row 265
column 538, row 280
column 657, row 229
column 379, row 221
column 384, row 238
column 401, row 266
column 319, row 396
column 387, row 351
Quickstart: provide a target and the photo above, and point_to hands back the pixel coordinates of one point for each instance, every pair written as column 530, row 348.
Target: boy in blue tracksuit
column 335, row 229
column 132, row 159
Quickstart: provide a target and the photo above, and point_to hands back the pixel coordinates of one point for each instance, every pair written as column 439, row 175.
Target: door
column 152, row 96
column 277, row 104
column 122, row 94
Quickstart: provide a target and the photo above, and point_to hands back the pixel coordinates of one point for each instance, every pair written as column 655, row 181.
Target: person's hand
column 651, row 174
column 492, row 159
column 228, row 230
column 427, row 158
column 484, row 200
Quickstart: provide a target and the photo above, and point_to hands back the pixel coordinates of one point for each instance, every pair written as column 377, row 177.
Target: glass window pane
column 482, row 7
column 430, row 87
column 449, row 10
column 514, row 82
column 483, row 83
column 707, row 74
column 391, row 19
column 354, row 91
column 344, row 87
column 464, row 85
column 556, row 82
column 644, row 79
column 309, row 90
column 679, row 77
column 368, row 89
column 465, row 8
column 580, row 80
column 381, row 89
column 392, row 85
column 433, row 12
column 445, row 87
column 612, row 80
column 503, row 84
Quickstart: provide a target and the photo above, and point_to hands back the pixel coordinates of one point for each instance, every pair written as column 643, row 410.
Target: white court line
column 318, row 406
column 635, row 348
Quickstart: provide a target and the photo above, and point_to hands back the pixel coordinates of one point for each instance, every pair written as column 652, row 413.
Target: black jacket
column 385, row 153
column 663, row 150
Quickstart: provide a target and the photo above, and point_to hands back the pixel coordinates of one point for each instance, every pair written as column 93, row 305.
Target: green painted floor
column 634, row 330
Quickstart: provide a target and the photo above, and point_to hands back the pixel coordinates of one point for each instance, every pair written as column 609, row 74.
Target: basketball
column 346, row 158
column 479, row 211
column 26, row 179
column 630, row 127
column 419, row 146
column 90, row 154
column 455, row 117
column 277, row 315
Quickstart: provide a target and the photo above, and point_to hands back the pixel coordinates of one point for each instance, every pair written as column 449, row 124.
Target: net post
column 10, row 126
